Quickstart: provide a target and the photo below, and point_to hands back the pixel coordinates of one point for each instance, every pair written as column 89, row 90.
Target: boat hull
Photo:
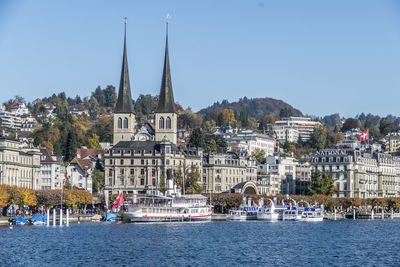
column 134, row 217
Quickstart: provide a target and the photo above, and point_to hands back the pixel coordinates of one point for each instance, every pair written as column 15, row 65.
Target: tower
column 166, row 117
column 124, row 115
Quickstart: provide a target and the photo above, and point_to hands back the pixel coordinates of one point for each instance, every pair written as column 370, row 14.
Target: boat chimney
column 249, row 202
column 170, row 183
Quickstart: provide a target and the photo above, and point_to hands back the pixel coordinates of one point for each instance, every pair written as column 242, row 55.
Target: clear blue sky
column 319, row 56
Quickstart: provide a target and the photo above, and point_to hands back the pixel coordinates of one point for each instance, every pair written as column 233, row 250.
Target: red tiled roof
column 84, row 152
column 84, row 164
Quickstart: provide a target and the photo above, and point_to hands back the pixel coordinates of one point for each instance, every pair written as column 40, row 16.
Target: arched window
column 119, row 123
column 126, row 123
column 168, row 123
column 161, row 123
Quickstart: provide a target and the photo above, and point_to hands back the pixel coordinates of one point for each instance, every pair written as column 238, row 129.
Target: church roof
column 124, row 101
column 166, row 103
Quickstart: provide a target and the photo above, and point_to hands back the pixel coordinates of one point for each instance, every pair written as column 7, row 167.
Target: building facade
column 51, row 170
column 19, row 166
column 221, row 172
column 79, row 174
column 288, row 126
column 360, row 174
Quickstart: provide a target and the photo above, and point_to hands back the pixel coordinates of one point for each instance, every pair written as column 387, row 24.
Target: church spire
column 166, row 102
column 124, row 101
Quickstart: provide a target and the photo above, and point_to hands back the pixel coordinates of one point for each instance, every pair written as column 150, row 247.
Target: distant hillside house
column 78, row 110
column 91, row 154
column 19, row 109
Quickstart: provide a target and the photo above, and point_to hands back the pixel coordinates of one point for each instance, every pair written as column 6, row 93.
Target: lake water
column 340, row 243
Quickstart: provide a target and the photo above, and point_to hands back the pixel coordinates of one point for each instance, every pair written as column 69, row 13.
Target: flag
column 364, row 136
column 118, row 201
column 66, row 180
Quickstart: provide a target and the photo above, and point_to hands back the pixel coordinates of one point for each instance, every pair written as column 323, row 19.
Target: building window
column 121, row 171
column 167, row 150
column 142, row 181
column 142, row 162
column 122, row 162
column 111, row 162
column 153, row 181
column 109, row 172
column 154, row 162
column 153, row 172
column 132, row 161
column 121, row 181
column 167, row 162
column 132, row 171
column 126, row 123
column 142, row 171
column 132, row 181
column 119, row 123
column 168, row 123
column 161, row 123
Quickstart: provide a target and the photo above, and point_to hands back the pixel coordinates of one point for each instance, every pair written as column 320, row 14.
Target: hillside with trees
column 254, row 107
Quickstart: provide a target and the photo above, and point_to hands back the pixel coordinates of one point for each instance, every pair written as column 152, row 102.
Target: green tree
column 213, row 146
column 98, row 181
column 319, row 137
column 197, row 138
column 93, row 108
column 259, row 155
column 94, row 141
column 285, row 113
column 321, row 184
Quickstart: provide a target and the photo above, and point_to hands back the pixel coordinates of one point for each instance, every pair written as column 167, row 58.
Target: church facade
column 139, row 159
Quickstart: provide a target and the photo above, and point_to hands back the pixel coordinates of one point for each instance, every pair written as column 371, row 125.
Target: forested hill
column 254, row 107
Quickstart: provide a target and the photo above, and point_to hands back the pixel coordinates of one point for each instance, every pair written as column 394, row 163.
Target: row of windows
column 131, row 181
column 131, row 172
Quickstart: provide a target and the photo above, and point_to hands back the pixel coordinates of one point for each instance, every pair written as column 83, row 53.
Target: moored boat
column 271, row 212
column 243, row 213
column 169, row 207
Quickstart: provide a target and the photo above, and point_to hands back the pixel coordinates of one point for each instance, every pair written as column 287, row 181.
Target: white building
column 51, row 171
column 10, row 120
column 19, row 109
column 79, row 173
column 286, row 128
column 283, row 166
column 248, row 141
column 360, row 174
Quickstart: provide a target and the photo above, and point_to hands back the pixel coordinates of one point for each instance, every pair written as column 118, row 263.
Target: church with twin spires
column 138, row 160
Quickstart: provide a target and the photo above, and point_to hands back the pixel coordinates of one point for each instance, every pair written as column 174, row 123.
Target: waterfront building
column 93, row 154
column 221, row 172
column 51, row 170
column 19, row 166
column 269, row 184
column 304, row 125
column 285, row 167
column 303, row 177
column 79, row 173
column 360, row 173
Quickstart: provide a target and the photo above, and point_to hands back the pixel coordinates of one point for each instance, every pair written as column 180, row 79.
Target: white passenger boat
column 170, row 207
column 291, row 213
column 312, row 214
column 243, row 213
column 271, row 212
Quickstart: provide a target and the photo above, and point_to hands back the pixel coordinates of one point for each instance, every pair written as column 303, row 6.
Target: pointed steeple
column 124, row 101
column 166, row 102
